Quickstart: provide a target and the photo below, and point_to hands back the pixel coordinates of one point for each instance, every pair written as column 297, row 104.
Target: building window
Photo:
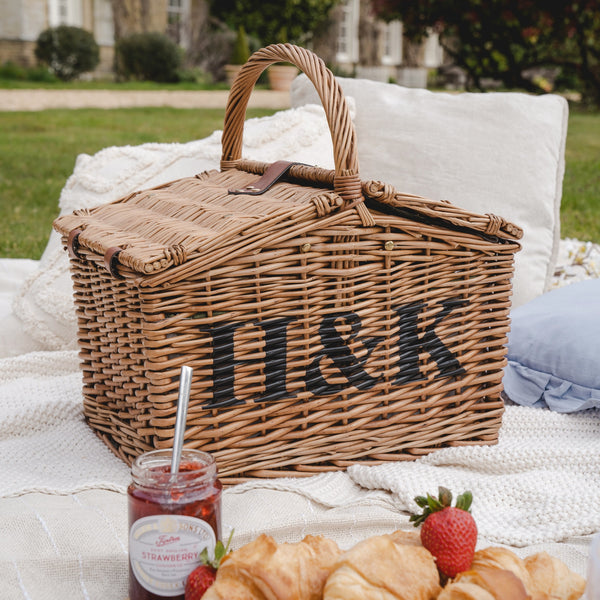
column 392, row 43
column 433, row 52
column 65, row 12
column 178, row 14
column 347, row 40
column 104, row 30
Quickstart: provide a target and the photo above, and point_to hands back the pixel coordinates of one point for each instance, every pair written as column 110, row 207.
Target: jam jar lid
column 153, row 469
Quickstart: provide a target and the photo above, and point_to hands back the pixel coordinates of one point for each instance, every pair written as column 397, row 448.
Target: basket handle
column 346, row 181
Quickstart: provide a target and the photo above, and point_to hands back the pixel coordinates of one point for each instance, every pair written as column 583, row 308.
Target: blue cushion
column 554, row 349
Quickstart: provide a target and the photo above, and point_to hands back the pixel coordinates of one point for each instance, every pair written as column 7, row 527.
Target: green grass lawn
column 38, row 152
column 104, row 84
column 580, row 208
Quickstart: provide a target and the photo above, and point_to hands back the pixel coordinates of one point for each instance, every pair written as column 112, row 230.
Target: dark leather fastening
column 267, row 179
column 111, row 262
column 73, row 243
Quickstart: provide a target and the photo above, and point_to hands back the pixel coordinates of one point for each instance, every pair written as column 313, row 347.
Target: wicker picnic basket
column 328, row 320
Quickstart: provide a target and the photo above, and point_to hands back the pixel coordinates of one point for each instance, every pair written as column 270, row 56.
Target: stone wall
column 22, row 20
column 136, row 16
column 105, row 66
column 18, row 52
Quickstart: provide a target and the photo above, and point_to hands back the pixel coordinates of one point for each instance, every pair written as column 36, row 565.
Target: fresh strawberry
column 199, row 580
column 203, row 576
column 448, row 532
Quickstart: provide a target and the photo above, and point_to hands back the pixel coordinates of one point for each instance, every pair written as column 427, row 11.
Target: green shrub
column 67, row 51
column 10, row 70
column 194, row 75
column 149, row 57
column 241, row 49
column 41, row 74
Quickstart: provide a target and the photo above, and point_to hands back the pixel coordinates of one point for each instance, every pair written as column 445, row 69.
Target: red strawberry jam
column 172, row 518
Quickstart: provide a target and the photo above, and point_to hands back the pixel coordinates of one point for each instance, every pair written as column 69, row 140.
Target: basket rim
column 147, row 255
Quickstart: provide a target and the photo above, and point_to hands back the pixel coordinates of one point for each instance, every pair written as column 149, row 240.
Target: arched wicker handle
column 347, row 181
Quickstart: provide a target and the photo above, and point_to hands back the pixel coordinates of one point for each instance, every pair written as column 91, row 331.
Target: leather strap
column 111, row 261
column 273, row 173
column 73, row 243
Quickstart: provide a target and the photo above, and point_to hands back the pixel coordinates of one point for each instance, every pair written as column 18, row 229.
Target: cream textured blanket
column 63, row 513
column 63, row 510
column 538, row 484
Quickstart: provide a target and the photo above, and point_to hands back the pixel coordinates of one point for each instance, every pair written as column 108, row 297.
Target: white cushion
column 44, row 303
column 500, row 153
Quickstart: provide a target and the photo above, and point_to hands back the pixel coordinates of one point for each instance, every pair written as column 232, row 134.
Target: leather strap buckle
column 73, row 243
column 273, row 173
column 111, row 261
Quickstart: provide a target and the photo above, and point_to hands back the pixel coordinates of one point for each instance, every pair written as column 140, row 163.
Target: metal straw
column 185, row 381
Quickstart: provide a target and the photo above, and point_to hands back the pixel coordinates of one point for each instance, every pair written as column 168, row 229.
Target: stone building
column 21, row 22
column 368, row 47
column 354, row 43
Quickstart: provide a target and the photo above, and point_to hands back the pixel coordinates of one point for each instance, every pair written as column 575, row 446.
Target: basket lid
column 220, row 214
column 151, row 230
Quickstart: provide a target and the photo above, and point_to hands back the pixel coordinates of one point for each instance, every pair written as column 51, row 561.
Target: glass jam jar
column 171, row 520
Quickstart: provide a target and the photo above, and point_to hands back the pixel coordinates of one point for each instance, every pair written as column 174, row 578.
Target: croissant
column 499, row 574
column 552, row 577
column 266, row 570
column 386, row 567
column 486, row 583
column 495, row 558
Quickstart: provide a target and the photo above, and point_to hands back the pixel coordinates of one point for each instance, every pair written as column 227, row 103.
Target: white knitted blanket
column 45, row 444
column 538, row 484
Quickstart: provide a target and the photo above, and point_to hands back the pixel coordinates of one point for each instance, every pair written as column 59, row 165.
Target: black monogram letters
column 337, row 350
column 333, row 353
column 411, row 345
column 224, row 362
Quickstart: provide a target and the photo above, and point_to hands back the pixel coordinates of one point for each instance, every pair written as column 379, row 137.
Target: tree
column 503, row 39
column 138, row 16
column 241, row 49
column 579, row 56
column 292, row 21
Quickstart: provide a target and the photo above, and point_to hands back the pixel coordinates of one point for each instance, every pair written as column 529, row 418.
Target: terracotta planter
column 281, row 77
column 231, row 72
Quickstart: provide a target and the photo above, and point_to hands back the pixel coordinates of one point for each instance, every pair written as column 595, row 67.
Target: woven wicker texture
column 329, row 320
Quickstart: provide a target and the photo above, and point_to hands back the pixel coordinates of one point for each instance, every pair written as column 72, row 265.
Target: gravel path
column 41, row 99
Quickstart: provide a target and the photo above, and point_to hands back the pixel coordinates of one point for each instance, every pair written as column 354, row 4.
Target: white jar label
column 165, row 549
